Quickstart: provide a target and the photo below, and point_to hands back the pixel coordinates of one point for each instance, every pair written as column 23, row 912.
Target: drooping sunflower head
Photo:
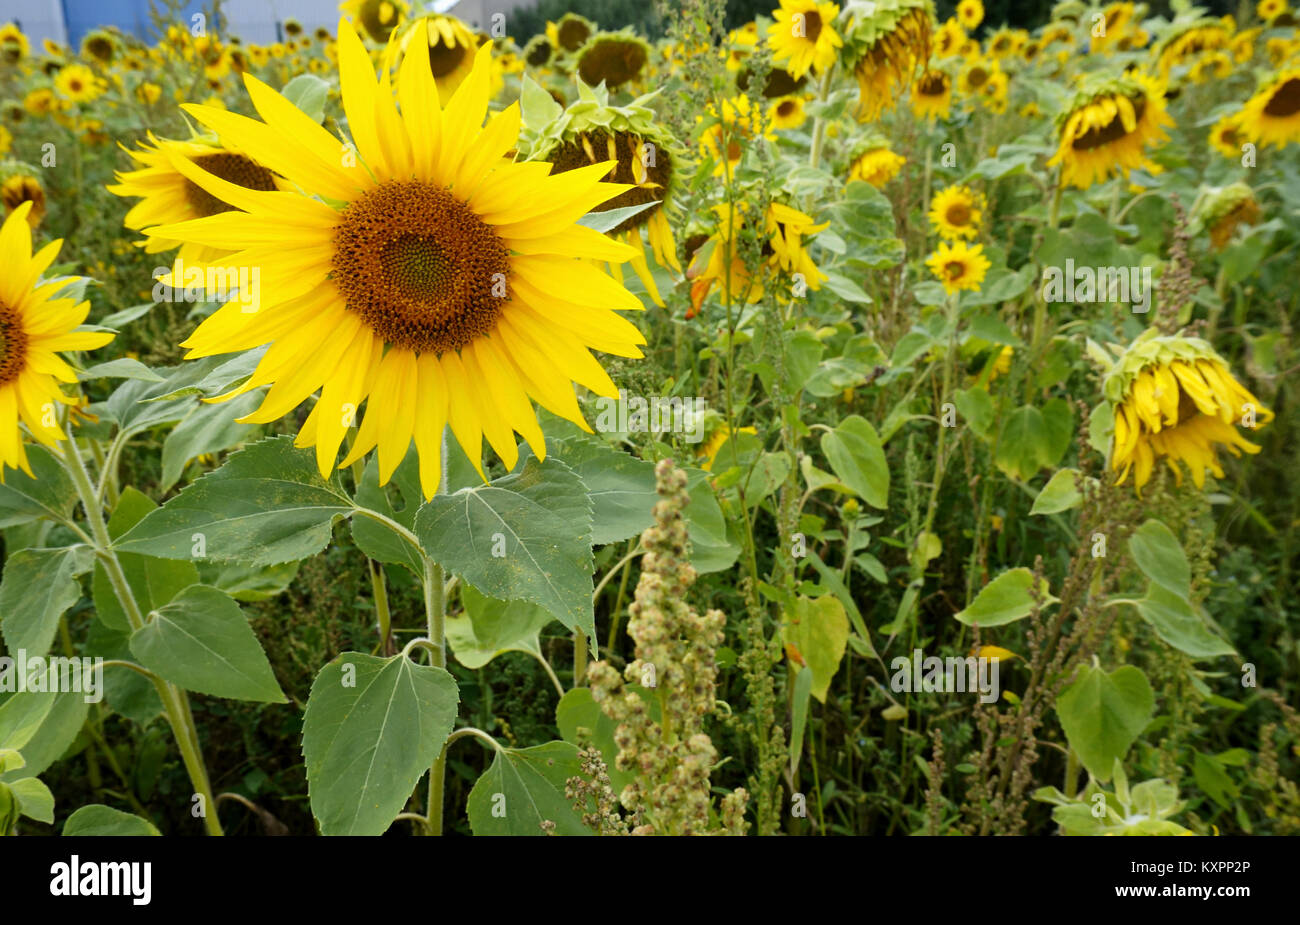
column 886, row 45
column 433, row 278
column 36, row 325
column 377, row 17
column 1116, row 20
column 1182, row 43
column 1243, row 45
column 803, row 36
column 958, row 265
column 1212, row 65
column 932, row 95
column 1109, row 126
column 957, row 212
column 1272, row 115
column 571, row 32
column 1220, row 210
column 1174, row 398
column 292, row 28
column 100, row 46
column 447, row 42
column 539, row 51
column 613, row 58
column 970, row 13
column 873, row 162
column 1055, row 33
column 1004, row 44
column 22, row 186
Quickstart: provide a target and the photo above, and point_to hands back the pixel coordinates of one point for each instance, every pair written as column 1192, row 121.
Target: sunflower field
column 871, row 419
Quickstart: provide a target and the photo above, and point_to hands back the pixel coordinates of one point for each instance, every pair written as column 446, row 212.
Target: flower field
column 838, row 419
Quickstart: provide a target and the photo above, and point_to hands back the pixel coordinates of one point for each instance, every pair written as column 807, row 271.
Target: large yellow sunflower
column 1108, row 128
column 34, row 328
column 956, row 212
column 426, row 279
column 1174, row 398
column 803, row 36
column 959, row 266
column 1272, row 116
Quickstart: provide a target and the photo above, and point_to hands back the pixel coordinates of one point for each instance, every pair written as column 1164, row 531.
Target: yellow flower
column 959, row 266
column 970, row 13
column 445, row 286
column 378, row 17
column 876, row 166
column 21, row 188
column 975, row 75
column 956, row 212
column 1272, row 116
column 35, row 327
column 77, row 83
column 717, row 440
column 1002, row 363
column 787, row 112
column 14, row 46
column 932, row 95
column 886, row 47
column 1109, row 127
column 42, row 102
column 1213, row 65
column 6, row 140
column 148, row 93
column 1268, row 10
column 739, row 123
column 803, row 36
column 449, row 45
column 994, row 94
column 948, row 39
column 1226, row 136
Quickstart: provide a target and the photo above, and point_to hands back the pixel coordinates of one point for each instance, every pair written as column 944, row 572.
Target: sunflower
column 14, row 46
column 739, row 122
column 779, row 83
column 974, row 76
column 6, row 140
column 932, row 95
column 740, row 45
column 451, row 47
column 570, row 33
column 958, row 266
column 803, row 36
column 1175, row 398
column 1268, row 10
column 77, row 83
column 876, row 164
column 948, row 39
column 993, row 95
column 1222, row 210
column 429, row 287
column 612, row 58
column 169, row 195
column 1108, row 128
column 1272, row 116
column 708, row 450
column 1116, row 19
column 1003, row 44
column 970, row 13
column 42, row 102
column 1243, row 45
column 1213, row 65
column 100, row 47
column 24, row 188
column 886, row 45
column 35, row 326
column 1226, row 136
column 784, row 229
column 378, row 17
column 539, row 51
column 956, row 212
column 292, row 28
column 1181, row 45
column 787, row 113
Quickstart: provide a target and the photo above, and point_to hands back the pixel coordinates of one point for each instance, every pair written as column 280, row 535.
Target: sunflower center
column 233, row 168
column 572, row 34
column 420, row 268
column 444, row 58
column 614, row 62
column 648, row 167
column 785, row 109
column 933, row 84
column 977, row 77
column 954, row 269
column 74, row 85
column 1111, row 131
column 958, row 214
column 1285, row 101
column 13, row 345
column 812, row 25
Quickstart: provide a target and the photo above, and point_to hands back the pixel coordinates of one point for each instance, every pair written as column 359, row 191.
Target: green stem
column 1071, row 775
column 435, row 614
column 819, row 123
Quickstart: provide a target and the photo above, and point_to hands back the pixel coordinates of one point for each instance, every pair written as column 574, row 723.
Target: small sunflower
column 956, row 212
column 613, row 58
column 14, row 46
column 803, row 36
column 876, row 164
column 993, row 95
column 1213, row 65
column 724, row 140
column 787, row 113
column 570, row 33
column 1227, row 137
column 436, row 280
column 539, row 51
column 1108, row 127
column 1268, row 10
column 377, row 17
column 292, row 28
column 77, row 83
column 975, row 75
column 43, row 102
column 1003, row 44
column 783, row 232
column 887, row 44
column 932, row 95
column 99, row 46
column 24, row 188
column 958, row 266
column 1272, row 116
column 1116, row 19
column 1183, row 44
column 1175, row 398
column 948, row 39
column 1243, row 45
column 35, row 327
column 6, row 140
column 970, row 13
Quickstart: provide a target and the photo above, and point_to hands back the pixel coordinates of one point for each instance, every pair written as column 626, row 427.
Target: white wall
column 40, row 19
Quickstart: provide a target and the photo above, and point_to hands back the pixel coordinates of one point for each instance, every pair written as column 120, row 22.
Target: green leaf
column 372, row 728
column 122, row 368
column 308, row 92
column 621, row 487
column 1214, row 781
column 153, row 581
column 207, row 429
column 857, row 456
column 577, row 710
column 99, row 820
column 526, row 536
column 48, row 492
column 376, row 539
column 608, row 220
column 248, row 583
column 42, row 726
column 1160, row 557
column 1005, row 599
column 202, row 642
column 126, row 692
column 1103, row 714
column 819, row 629
column 1178, row 623
column 846, row 289
column 976, row 406
column 34, row 799
column 39, row 586
column 489, row 627
column 524, row 787
column 712, row 547
column 268, row 504
column 803, row 683
column 1061, row 493
column 1024, row 443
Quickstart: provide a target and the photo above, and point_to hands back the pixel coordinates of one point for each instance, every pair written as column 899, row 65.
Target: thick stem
column 819, row 123
column 435, row 614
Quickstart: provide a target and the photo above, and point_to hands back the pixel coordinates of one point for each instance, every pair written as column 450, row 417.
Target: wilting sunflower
column 1222, row 210
column 1182, row 44
column 970, row 13
column 448, row 287
column 1109, row 126
column 956, row 212
column 77, row 83
column 35, row 327
column 958, row 266
column 539, row 51
column 787, row 113
column 168, row 196
column 932, row 95
column 451, row 47
column 803, row 36
column 874, row 163
column 640, row 155
column 1175, row 398
column 613, row 58
column 886, row 43
column 22, row 188
column 1272, row 116
column 1116, row 20
column 1226, row 136
column 570, row 33
column 378, row 17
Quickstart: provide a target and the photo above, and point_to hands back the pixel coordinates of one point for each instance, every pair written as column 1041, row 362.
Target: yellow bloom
column 1272, row 116
column 77, row 83
column 956, row 212
column 959, row 266
column 449, row 45
column 21, row 188
column 1226, row 136
column 1268, row 10
column 803, row 36
column 787, row 112
column 446, row 287
column 35, row 327
column 932, row 95
column 876, row 166
column 717, row 440
column 1109, row 127
column 378, row 17
column 14, row 46
column 970, row 13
